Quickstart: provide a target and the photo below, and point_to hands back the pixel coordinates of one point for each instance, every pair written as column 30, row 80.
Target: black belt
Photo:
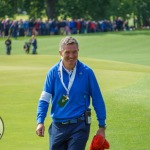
column 75, row 120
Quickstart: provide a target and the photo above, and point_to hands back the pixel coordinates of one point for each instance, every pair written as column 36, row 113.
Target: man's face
column 69, row 55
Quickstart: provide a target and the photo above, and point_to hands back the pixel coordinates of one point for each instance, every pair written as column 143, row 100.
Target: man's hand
column 40, row 129
column 101, row 131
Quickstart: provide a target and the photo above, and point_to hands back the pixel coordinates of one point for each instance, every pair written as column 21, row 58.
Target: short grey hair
column 66, row 41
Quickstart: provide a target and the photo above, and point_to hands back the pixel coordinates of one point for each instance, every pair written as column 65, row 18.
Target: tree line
column 87, row 9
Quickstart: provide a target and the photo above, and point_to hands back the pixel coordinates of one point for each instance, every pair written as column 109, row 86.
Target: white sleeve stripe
column 45, row 96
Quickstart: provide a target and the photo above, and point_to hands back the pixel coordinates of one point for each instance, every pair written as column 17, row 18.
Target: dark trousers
column 8, row 50
column 72, row 136
column 34, row 50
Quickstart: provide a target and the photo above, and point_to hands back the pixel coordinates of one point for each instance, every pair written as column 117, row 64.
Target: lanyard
column 71, row 79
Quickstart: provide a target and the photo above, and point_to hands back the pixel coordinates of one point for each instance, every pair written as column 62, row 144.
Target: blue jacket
column 85, row 88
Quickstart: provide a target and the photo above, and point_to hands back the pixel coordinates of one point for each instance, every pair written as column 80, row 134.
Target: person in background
column 8, row 45
column 34, row 44
column 26, row 47
column 14, row 29
column 69, row 88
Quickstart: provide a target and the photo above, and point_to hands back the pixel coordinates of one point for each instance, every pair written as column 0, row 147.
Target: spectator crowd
column 30, row 27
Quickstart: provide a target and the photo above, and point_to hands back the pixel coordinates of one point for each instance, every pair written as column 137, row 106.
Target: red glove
column 99, row 143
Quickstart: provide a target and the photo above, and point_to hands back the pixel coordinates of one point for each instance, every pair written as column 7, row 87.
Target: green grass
column 121, row 62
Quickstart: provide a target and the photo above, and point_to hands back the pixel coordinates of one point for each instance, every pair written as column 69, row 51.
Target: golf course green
column 121, row 62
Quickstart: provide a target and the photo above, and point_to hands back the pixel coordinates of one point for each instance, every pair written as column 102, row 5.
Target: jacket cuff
column 40, row 120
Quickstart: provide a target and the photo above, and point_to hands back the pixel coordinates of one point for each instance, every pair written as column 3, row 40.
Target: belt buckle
column 65, row 122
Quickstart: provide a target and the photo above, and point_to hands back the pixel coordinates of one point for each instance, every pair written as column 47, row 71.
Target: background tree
column 142, row 11
column 87, row 9
column 95, row 9
column 34, row 8
column 51, row 8
column 8, row 8
column 120, row 8
column 125, row 8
